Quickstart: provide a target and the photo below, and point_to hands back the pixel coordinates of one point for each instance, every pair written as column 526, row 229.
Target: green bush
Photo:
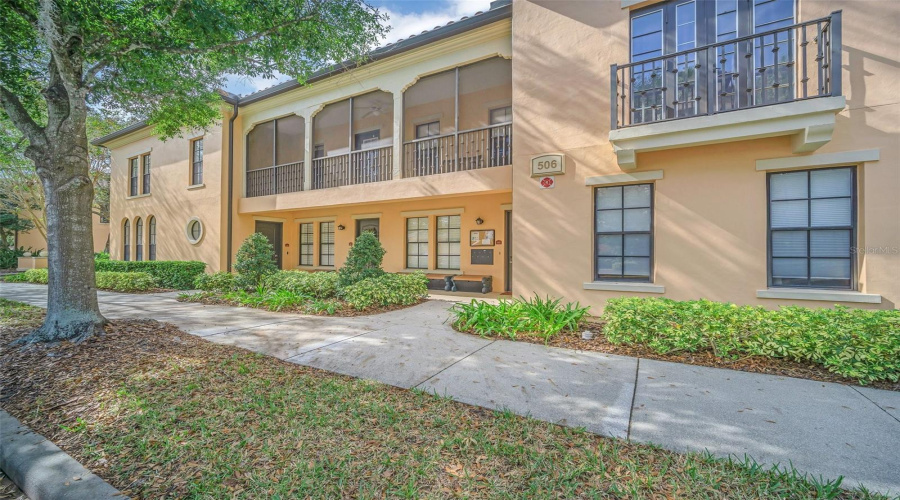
column 273, row 300
column 545, row 317
column 9, row 257
column 101, row 256
column 322, row 285
column 222, row 281
column 176, row 274
column 254, row 261
column 125, row 282
column 106, row 280
column 386, row 290
column 16, row 278
column 38, row 276
column 363, row 262
column 860, row 344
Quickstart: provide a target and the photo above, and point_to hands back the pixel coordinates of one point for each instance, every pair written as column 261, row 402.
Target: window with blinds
column 624, row 232
column 448, row 241
column 812, row 227
column 306, row 244
column 326, row 243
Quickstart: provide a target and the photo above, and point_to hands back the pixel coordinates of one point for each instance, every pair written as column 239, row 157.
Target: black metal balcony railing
column 279, row 179
column 356, row 167
column 793, row 63
column 468, row 150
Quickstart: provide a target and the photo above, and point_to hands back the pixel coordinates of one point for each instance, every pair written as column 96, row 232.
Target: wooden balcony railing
column 797, row 62
column 356, row 167
column 286, row 178
column 468, row 150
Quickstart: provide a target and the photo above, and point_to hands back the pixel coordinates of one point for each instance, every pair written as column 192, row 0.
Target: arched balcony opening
column 275, row 156
column 459, row 119
column 353, row 141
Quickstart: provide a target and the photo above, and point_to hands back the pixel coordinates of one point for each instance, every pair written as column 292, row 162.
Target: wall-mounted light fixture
column 341, row 227
column 479, row 221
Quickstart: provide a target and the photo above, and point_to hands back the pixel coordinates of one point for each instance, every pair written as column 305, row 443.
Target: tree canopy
column 160, row 60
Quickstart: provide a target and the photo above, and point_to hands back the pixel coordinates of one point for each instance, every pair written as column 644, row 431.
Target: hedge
column 177, row 274
column 855, row 343
column 106, row 280
column 222, row 281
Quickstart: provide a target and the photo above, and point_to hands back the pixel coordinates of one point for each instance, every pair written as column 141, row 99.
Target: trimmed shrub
column 386, row 290
column 222, row 281
column 544, row 317
column 363, row 262
column 254, row 261
column 859, row 344
column 39, row 276
column 16, row 278
column 101, row 256
column 125, row 282
column 177, row 274
column 323, row 285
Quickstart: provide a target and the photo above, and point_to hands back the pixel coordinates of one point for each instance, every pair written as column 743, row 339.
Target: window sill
column 196, row 186
column 822, row 295
column 144, row 195
column 621, row 286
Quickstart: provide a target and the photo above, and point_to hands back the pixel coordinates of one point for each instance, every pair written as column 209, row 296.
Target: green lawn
column 159, row 413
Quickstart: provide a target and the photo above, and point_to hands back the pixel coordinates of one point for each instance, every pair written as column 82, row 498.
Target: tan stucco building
column 735, row 150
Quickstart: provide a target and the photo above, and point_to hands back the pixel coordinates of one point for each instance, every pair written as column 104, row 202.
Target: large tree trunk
column 62, row 164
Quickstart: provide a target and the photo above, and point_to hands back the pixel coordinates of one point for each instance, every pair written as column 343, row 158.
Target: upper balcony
column 784, row 81
column 457, row 120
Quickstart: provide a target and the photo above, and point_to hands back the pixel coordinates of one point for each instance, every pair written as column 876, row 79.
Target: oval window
column 194, row 230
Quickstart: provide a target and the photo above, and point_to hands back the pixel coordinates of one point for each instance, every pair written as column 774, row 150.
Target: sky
column 406, row 18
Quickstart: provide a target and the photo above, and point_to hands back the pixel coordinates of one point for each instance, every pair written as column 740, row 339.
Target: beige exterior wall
column 392, row 226
column 172, row 199
column 35, row 240
column 710, row 213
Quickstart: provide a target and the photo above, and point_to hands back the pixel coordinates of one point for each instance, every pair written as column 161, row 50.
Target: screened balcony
column 353, row 141
column 459, row 120
column 782, row 63
column 275, row 157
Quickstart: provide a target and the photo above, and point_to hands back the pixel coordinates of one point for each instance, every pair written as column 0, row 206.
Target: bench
column 472, row 283
column 437, row 281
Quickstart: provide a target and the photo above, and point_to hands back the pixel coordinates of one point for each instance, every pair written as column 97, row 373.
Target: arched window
column 138, row 239
column 126, row 239
column 151, row 235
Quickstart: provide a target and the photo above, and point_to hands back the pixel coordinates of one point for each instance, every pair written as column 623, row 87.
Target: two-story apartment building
column 735, row 150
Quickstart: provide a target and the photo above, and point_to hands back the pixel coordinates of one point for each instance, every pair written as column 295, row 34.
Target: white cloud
column 402, row 26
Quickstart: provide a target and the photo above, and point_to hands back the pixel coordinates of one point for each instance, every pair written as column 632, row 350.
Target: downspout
column 228, row 230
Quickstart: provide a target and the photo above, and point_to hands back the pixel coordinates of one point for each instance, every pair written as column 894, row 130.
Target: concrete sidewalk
column 827, row 430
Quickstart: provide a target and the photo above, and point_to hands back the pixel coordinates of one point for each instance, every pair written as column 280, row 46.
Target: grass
column 162, row 414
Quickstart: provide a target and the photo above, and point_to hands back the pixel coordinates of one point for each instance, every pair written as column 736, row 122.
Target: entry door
column 508, row 247
column 370, row 225
column 272, row 231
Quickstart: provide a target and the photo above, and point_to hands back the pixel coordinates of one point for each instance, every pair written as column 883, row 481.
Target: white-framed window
column 197, row 162
column 145, row 161
column 194, row 230
column 139, row 239
column 133, row 176
column 448, row 241
column 326, row 243
column 417, row 243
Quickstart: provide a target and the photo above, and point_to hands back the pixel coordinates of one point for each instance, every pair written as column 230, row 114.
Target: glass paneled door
column 666, row 88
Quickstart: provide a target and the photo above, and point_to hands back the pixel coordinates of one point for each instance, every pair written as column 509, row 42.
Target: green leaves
column 364, row 260
column 545, row 317
column 386, row 290
column 254, row 261
column 177, row 274
column 855, row 343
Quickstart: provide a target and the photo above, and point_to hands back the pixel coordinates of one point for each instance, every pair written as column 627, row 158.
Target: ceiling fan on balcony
column 376, row 108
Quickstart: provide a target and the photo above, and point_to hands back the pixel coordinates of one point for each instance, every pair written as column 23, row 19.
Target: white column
column 307, row 150
column 398, row 133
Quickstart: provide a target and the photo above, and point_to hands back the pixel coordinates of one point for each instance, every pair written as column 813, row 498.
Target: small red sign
column 547, row 182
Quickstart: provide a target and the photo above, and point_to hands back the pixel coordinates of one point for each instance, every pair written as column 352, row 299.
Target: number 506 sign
column 544, row 165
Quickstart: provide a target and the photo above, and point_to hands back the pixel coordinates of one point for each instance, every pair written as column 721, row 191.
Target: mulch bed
column 344, row 312
column 754, row 364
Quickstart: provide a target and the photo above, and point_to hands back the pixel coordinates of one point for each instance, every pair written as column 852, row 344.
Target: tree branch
column 21, row 118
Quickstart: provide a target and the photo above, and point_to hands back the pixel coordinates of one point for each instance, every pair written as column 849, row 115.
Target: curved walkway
column 825, row 429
